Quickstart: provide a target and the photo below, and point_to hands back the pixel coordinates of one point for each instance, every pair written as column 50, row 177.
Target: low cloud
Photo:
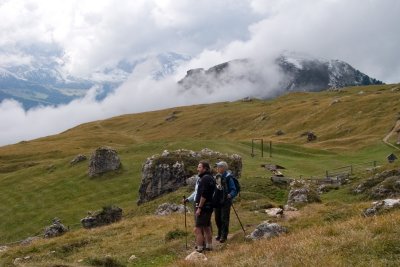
column 138, row 94
column 98, row 34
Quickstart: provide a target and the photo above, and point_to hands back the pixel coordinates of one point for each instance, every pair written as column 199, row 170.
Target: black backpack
column 219, row 195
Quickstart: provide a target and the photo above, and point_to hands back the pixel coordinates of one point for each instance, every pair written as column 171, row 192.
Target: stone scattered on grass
column 55, row 229
column 107, row 215
column 382, row 206
column 103, row 159
column 266, row 230
column 77, row 159
column 132, row 258
column 196, row 256
column 169, row 208
column 302, row 192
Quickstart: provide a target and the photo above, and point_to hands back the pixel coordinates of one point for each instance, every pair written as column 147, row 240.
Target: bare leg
column 208, row 236
column 199, row 237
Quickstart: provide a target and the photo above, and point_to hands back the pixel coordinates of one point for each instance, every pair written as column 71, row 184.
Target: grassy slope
column 37, row 183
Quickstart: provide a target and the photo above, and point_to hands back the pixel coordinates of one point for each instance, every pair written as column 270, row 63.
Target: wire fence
column 340, row 174
column 352, row 169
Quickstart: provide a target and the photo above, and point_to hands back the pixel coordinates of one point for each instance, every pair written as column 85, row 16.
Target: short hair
column 222, row 164
column 205, row 165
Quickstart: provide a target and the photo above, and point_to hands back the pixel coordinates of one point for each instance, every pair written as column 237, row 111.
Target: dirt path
column 386, row 138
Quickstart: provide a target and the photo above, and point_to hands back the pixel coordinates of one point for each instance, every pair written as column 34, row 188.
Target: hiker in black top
column 229, row 191
column 204, row 209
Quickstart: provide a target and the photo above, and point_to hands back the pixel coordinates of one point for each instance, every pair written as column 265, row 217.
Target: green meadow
column 37, row 183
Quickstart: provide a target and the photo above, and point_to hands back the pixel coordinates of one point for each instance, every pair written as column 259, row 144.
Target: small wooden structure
column 391, row 158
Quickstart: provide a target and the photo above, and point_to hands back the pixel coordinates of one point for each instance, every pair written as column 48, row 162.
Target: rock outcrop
column 169, row 171
column 382, row 185
column 56, row 229
column 379, row 207
column 168, row 208
column 102, row 160
column 301, row 192
column 266, row 230
column 191, row 181
column 106, row 216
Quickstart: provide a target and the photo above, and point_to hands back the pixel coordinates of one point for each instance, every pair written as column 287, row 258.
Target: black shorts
column 204, row 219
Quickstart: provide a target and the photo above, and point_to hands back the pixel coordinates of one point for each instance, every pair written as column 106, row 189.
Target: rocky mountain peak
column 299, row 73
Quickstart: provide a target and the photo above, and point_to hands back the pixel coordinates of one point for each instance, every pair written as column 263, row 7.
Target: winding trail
column 386, row 138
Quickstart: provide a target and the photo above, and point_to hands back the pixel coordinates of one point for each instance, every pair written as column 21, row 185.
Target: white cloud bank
column 100, row 33
column 139, row 93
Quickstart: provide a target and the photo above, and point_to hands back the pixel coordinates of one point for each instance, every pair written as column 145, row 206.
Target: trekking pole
column 186, row 234
column 237, row 216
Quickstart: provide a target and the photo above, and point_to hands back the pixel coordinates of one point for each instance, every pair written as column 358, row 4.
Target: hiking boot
column 222, row 240
column 217, row 238
column 200, row 250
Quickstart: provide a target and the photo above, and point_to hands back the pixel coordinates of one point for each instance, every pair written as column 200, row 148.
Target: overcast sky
column 88, row 35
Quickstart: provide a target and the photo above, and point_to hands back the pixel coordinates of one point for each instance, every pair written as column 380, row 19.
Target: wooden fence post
column 262, row 148
column 270, row 149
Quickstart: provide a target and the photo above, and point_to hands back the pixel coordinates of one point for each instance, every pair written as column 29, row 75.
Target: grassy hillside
column 37, row 182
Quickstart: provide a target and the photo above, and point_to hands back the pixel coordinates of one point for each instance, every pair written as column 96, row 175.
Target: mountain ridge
column 298, row 74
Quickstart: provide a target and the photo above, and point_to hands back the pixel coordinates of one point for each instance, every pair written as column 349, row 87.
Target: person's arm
column 202, row 201
column 232, row 188
column 201, row 206
column 191, row 197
